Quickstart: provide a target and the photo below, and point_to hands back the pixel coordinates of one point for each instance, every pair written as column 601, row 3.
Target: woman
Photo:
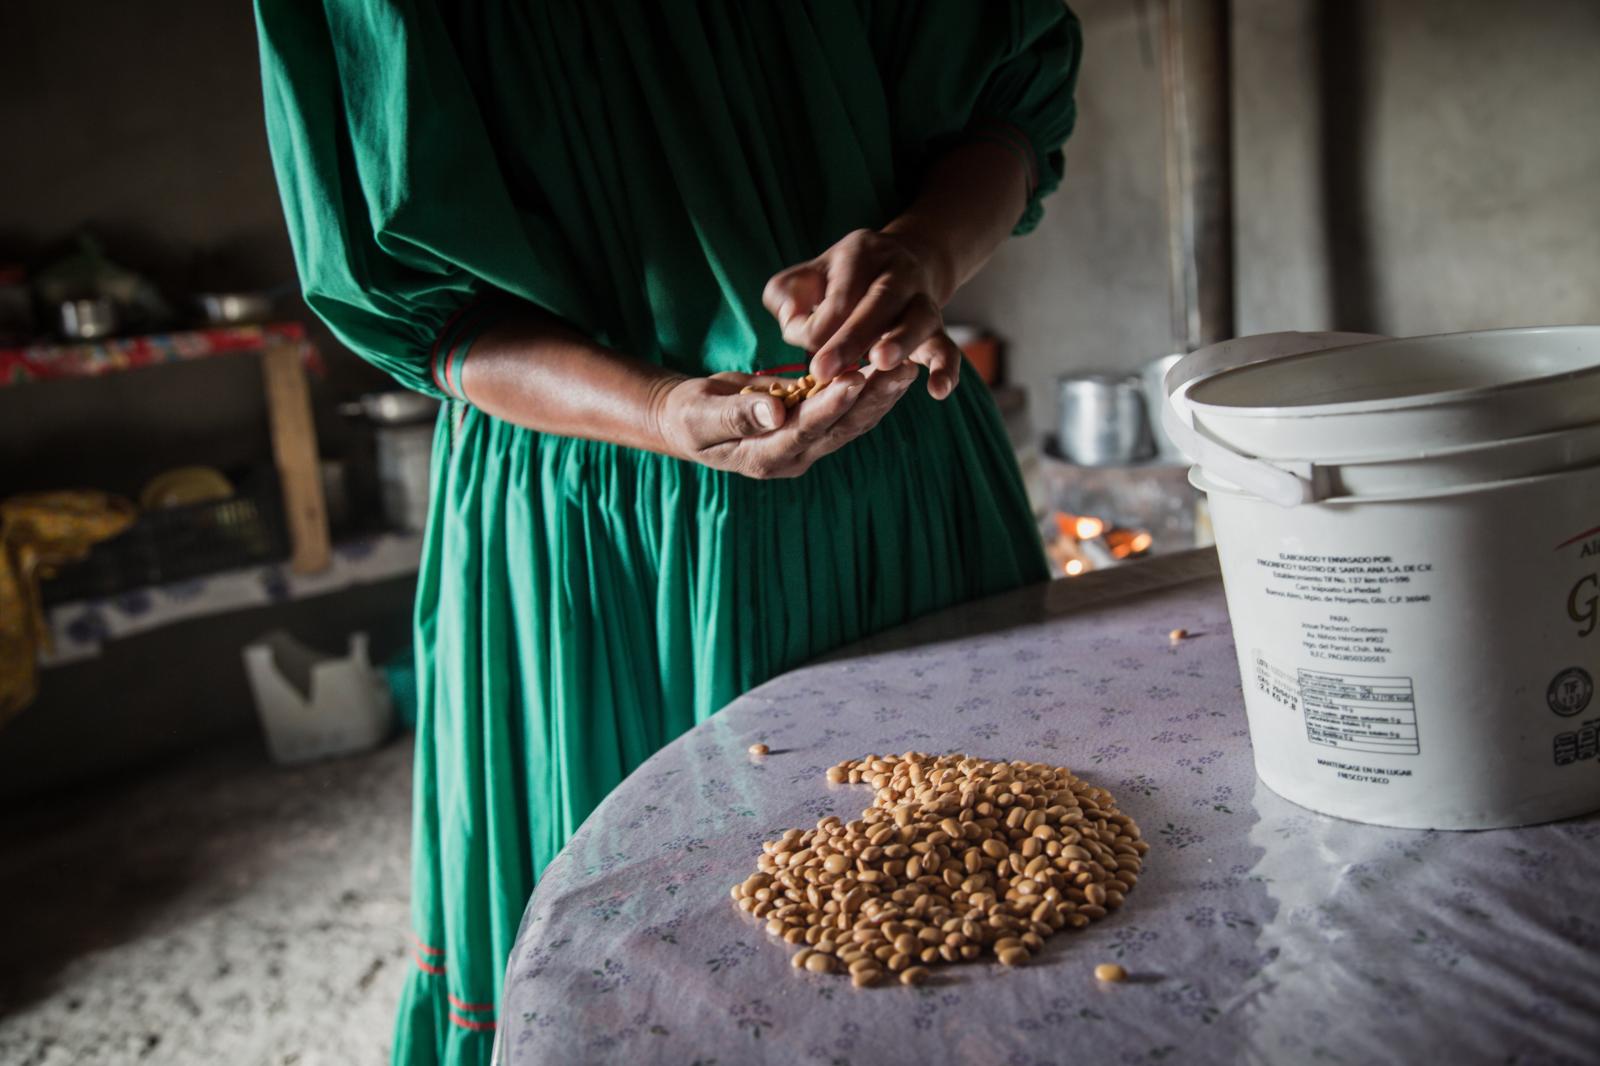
column 579, row 223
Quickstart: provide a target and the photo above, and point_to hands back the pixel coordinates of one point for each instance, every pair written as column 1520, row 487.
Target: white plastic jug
column 312, row 705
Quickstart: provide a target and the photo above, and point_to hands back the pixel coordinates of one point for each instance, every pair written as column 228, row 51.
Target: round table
column 1260, row 932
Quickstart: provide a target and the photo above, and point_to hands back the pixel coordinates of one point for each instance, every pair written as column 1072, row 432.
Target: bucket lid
column 1298, row 404
column 1404, row 397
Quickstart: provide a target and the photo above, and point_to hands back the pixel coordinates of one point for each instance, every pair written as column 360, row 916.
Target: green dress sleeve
column 1005, row 72
column 407, row 241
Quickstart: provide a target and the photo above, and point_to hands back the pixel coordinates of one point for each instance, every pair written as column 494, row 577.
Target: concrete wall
column 142, row 124
column 1411, row 167
column 1088, row 288
column 1482, row 163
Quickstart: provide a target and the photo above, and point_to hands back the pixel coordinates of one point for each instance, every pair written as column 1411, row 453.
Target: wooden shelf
column 285, row 353
column 79, row 629
column 87, row 359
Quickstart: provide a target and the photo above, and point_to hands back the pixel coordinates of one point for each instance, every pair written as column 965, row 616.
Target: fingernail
column 886, row 352
column 766, row 417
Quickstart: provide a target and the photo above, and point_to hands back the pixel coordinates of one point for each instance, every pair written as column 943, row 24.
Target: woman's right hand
column 709, row 421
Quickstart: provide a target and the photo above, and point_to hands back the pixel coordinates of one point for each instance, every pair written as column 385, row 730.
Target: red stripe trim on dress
column 468, row 1023
column 466, row 335
column 475, row 1008
column 445, row 331
column 427, row 967
column 417, row 940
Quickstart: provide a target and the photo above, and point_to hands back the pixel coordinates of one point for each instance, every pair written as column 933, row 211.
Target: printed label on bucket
column 1276, row 683
column 1358, row 774
column 1579, row 745
column 1358, row 713
column 1345, row 579
column 1415, row 662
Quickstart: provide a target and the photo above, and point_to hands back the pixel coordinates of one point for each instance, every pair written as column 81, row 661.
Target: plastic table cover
column 1259, row 932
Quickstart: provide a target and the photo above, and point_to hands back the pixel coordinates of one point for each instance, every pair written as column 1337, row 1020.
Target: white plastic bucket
column 1420, row 651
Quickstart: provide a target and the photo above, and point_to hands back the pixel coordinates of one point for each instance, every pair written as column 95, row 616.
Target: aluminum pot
column 394, row 408
column 235, row 308
column 88, row 319
column 1103, row 420
column 402, row 425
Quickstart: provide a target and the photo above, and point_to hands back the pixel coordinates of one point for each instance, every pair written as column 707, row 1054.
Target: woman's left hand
column 873, row 297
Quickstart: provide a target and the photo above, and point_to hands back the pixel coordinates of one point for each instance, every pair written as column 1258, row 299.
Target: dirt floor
column 222, row 910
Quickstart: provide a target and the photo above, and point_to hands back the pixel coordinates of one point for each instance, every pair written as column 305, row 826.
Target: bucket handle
column 1285, row 488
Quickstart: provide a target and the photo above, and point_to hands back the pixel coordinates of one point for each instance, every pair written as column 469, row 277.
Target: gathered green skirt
column 581, row 604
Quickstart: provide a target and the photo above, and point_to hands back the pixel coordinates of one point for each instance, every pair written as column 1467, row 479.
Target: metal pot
column 88, row 319
column 234, row 308
column 1103, row 420
column 393, row 408
column 402, row 426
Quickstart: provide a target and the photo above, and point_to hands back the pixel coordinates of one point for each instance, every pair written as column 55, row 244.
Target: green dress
column 639, row 169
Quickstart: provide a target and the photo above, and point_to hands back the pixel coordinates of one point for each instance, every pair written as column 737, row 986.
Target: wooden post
column 294, row 450
column 1196, row 78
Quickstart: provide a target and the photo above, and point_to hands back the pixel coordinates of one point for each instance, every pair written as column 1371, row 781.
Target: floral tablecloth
column 1260, row 932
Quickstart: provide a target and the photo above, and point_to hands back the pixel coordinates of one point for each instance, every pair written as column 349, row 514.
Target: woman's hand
column 707, row 420
column 874, row 297
column 874, row 294
column 536, row 371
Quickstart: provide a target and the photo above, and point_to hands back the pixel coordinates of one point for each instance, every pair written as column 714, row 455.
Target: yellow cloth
column 38, row 532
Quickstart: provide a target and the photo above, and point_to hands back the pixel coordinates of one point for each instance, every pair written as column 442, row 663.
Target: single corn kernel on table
column 1258, row 931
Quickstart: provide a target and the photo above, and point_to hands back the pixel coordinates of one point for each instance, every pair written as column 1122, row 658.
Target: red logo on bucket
column 1585, row 535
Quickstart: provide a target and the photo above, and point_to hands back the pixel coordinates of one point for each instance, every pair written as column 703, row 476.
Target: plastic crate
column 180, row 544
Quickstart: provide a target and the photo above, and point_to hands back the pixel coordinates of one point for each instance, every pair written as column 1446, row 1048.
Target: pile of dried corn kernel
column 790, row 390
column 955, row 856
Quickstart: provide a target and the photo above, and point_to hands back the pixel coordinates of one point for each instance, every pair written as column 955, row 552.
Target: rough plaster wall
column 142, row 124
column 1088, row 288
column 1281, row 272
column 1410, row 167
column 1483, row 161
